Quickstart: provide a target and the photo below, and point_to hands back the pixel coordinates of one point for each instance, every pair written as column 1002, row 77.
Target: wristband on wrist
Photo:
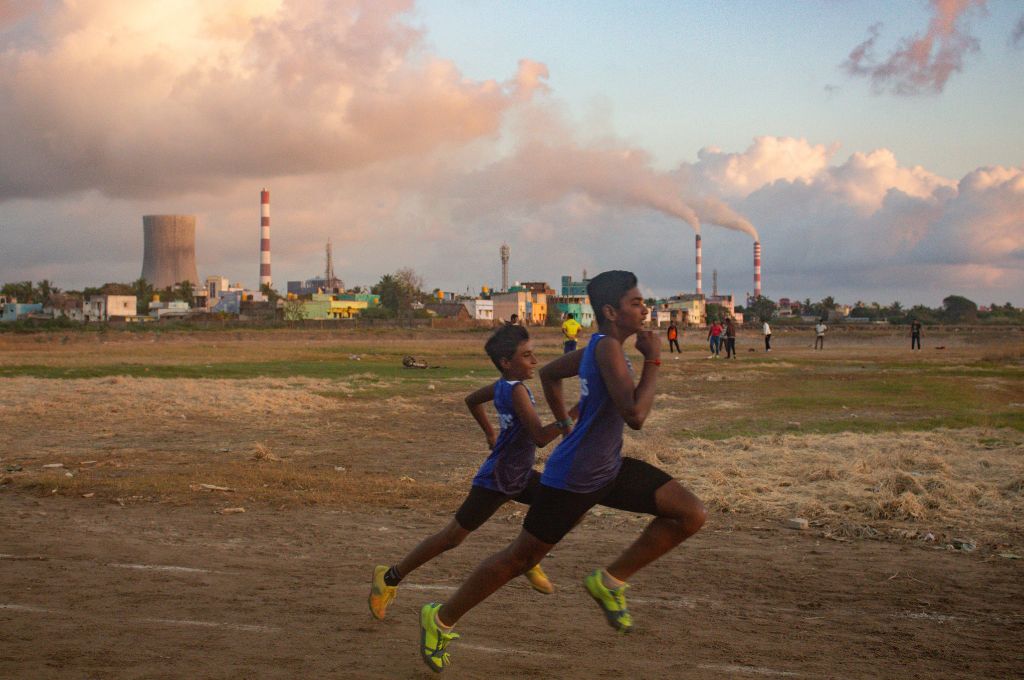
column 564, row 424
column 656, row 362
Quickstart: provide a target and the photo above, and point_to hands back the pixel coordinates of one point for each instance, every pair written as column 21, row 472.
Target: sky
column 874, row 148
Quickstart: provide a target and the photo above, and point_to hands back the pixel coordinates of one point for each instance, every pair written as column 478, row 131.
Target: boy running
column 587, row 469
column 506, row 475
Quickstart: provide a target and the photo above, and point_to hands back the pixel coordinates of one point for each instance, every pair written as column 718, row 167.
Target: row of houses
column 532, row 303
column 95, row 308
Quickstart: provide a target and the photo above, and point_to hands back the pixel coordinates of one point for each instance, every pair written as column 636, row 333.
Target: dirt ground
column 119, row 563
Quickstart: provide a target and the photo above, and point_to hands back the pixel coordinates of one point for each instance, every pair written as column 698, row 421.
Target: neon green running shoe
column 433, row 640
column 539, row 580
column 381, row 594
column 611, row 602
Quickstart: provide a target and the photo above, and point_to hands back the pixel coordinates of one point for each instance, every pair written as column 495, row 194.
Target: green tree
column 958, row 309
column 714, row 312
column 22, row 291
column 761, row 309
column 389, row 290
column 46, row 290
column 294, row 310
column 143, row 294
column 271, row 294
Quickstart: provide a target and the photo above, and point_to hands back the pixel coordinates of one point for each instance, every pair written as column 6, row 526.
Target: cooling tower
column 757, row 269
column 169, row 253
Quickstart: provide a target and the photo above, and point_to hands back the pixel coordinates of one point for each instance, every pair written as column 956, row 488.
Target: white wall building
column 109, row 307
column 480, row 309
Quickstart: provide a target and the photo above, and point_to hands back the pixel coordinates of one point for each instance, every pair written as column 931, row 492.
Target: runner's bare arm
column 475, row 402
column 540, row 434
column 633, row 401
column 551, row 376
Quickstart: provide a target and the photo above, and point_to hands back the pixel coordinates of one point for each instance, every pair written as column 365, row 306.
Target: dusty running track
column 89, row 589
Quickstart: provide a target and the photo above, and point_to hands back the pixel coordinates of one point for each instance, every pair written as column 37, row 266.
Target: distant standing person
column 915, row 335
column 819, row 335
column 673, row 338
column 715, row 338
column 730, row 338
column 767, row 330
column 570, row 327
column 513, row 320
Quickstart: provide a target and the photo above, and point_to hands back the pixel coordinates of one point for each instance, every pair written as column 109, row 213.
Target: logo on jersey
column 506, row 420
column 584, row 389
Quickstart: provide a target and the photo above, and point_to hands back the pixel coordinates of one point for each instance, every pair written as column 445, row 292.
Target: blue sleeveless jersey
column 507, row 469
column 591, row 455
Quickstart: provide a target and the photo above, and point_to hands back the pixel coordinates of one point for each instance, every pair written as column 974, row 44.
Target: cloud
column 920, row 64
column 165, row 96
column 1017, row 36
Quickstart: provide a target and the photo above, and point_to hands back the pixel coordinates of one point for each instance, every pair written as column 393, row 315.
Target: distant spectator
column 819, row 335
column 730, row 338
column 673, row 338
column 715, row 338
column 570, row 327
column 915, row 335
column 767, row 330
column 513, row 320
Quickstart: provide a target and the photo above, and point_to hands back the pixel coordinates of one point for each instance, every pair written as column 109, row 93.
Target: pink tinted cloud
column 924, row 63
column 190, row 95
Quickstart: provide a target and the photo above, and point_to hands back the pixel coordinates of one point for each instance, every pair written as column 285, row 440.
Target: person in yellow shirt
column 570, row 327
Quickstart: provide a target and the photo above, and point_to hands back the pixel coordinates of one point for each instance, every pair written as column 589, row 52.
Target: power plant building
column 169, row 250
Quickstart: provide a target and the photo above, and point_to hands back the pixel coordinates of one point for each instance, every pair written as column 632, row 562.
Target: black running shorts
column 554, row 512
column 481, row 502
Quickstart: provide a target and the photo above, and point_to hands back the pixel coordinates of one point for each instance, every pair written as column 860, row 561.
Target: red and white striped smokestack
column 265, row 238
column 699, row 288
column 757, row 269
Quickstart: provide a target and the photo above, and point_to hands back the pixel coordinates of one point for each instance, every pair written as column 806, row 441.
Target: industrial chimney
column 757, row 269
column 169, row 250
column 700, row 290
column 505, row 252
column 265, row 238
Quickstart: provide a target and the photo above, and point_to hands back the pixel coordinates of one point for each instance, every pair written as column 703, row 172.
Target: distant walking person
column 819, row 335
column 767, row 330
column 915, row 335
column 673, row 338
column 730, row 338
column 570, row 327
column 715, row 338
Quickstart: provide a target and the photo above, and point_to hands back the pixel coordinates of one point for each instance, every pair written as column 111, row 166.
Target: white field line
column 748, row 670
column 502, row 650
column 164, row 567
column 426, row 586
column 116, row 565
column 212, row 624
column 29, row 609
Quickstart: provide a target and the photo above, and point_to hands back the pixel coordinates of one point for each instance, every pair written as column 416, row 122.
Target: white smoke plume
column 540, row 173
column 924, row 63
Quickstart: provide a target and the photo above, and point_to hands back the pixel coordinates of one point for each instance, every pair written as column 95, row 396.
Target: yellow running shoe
column 433, row 640
column 611, row 602
column 539, row 580
column 381, row 594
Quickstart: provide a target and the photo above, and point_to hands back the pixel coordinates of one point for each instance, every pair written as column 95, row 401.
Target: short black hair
column 607, row 288
column 571, row 315
column 504, row 342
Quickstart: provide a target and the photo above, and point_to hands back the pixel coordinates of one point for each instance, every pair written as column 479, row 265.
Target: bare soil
column 122, row 562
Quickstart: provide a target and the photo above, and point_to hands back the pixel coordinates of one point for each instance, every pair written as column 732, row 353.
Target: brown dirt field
column 126, row 569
